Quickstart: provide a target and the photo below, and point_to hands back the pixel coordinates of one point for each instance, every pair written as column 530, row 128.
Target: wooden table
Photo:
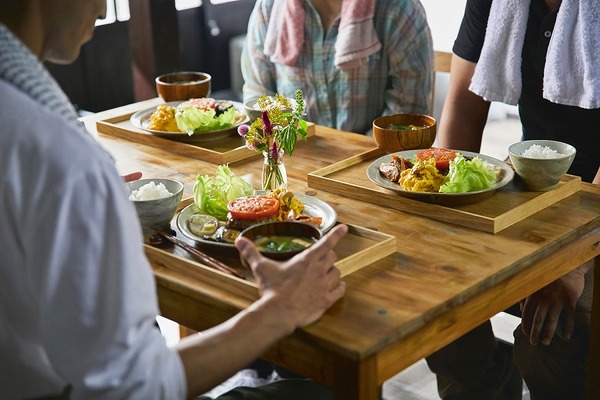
column 443, row 280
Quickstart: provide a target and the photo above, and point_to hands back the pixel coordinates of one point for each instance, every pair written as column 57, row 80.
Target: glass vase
column 274, row 175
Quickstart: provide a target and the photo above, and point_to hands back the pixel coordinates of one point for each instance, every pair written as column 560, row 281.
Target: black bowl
column 289, row 228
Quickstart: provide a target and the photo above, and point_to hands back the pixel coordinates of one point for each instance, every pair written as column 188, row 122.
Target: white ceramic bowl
column 157, row 212
column 253, row 111
column 541, row 174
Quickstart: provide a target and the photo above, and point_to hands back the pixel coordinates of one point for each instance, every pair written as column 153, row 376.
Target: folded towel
column 285, row 33
column 356, row 40
column 497, row 75
column 572, row 69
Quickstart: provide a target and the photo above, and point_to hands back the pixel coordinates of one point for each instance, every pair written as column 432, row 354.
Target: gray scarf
column 22, row 69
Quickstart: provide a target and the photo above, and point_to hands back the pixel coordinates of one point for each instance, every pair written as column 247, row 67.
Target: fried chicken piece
column 394, row 168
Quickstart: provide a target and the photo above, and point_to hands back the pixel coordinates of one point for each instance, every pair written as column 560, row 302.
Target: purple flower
column 267, row 126
column 274, row 152
column 252, row 145
column 243, row 130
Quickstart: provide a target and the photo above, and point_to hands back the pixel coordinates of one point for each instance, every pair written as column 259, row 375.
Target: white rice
column 150, row 191
column 537, row 151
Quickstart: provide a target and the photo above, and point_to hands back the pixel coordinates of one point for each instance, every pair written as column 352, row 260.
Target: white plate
column 505, row 177
column 141, row 119
column 313, row 207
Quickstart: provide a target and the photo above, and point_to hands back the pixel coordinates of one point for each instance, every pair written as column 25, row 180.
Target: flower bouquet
column 275, row 133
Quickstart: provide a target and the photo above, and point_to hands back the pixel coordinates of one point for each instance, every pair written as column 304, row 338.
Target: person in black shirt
column 551, row 344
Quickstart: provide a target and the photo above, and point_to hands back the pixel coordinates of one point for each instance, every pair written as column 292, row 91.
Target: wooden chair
column 441, row 63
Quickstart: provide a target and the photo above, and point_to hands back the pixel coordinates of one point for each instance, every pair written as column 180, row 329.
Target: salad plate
column 313, row 207
column 505, row 176
column 141, row 120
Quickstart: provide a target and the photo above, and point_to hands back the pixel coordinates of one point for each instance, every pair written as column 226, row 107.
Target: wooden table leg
column 356, row 380
column 593, row 386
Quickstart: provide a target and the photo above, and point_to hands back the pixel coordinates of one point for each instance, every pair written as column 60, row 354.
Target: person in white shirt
column 77, row 295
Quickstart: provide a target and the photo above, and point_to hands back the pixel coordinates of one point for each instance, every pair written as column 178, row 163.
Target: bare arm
column 464, row 114
column 294, row 294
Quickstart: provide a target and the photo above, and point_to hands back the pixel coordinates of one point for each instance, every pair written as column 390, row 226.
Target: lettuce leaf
column 212, row 195
column 468, row 175
column 193, row 120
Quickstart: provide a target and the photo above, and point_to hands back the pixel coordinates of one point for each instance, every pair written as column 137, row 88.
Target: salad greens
column 468, row 175
column 212, row 195
column 191, row 119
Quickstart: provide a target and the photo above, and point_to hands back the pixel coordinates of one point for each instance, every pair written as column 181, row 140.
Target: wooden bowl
column 287, row 228
column 182, row 86
column 390, row 136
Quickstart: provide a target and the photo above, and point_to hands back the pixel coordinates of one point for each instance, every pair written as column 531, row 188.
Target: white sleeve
column 95, row 288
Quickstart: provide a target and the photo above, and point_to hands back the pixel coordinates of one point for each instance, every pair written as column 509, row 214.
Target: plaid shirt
column 396, row 79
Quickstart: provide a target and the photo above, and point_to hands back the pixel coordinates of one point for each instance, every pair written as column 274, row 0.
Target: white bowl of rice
column 155, row 201
column 541, row 164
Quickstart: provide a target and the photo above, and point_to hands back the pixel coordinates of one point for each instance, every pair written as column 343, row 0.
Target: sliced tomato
column 442, row 156
column 253, row 207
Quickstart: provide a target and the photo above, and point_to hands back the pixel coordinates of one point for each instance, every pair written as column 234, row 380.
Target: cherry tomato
column 442, row 156
column 253, row 207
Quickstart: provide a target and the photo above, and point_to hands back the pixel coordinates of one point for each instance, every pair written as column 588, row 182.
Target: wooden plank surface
column 504, row 208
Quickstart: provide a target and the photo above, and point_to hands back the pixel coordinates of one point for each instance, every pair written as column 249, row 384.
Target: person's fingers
column 338, row 291
column 134, row 176
column 248, row 250
column 536, row 327
column 328, row 242
column 550, row 324
column 527, row 314
column 569, row 322
column 333, row 273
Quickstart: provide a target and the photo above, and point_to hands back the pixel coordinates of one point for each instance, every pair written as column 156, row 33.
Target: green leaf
column 211, row 195
column 468, row 175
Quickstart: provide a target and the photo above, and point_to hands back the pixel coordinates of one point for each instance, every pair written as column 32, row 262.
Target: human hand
column 134, row 176
column 302, row 288
column 542, row 310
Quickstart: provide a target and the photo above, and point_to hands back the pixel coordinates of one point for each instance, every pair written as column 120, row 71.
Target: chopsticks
column 200, row 256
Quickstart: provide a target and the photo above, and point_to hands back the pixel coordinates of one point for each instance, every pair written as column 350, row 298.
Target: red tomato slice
column 442, row 156
column 253, row 207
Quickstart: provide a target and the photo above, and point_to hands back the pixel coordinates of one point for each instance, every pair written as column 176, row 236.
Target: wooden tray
column 507, row 206
column 359, row 248
column 217, row 152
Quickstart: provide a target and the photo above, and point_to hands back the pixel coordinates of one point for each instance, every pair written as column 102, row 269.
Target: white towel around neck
column 356, row 39
column 572, row 69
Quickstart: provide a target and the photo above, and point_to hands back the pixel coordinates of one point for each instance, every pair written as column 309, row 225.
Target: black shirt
column 541, row 119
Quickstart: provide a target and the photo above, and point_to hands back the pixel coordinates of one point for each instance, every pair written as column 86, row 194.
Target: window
column 118, row 10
